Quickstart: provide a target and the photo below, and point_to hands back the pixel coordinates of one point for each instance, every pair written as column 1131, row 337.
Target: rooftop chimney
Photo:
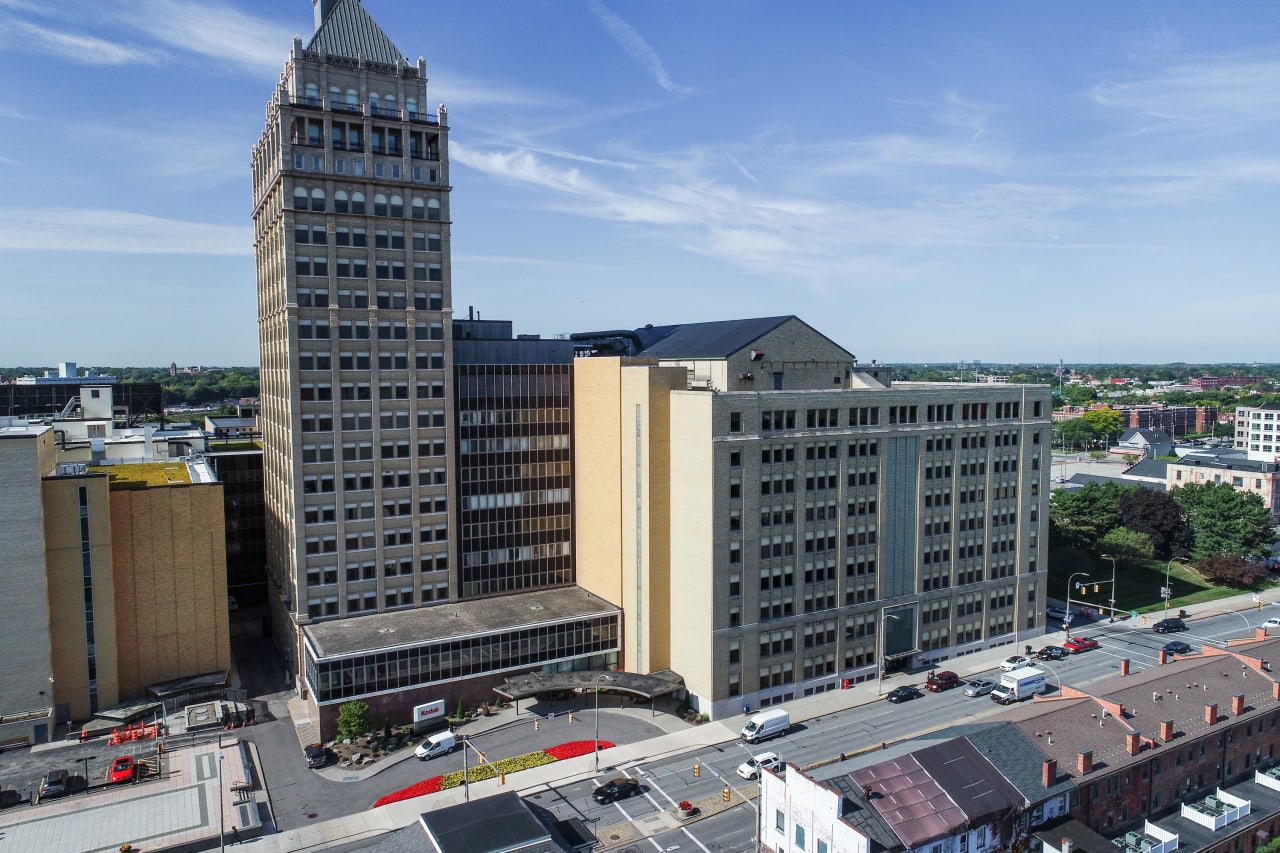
column 1084, row 761
column 1133, row 742
column 1211, row 713
column 1275, row 690
column 1049, row 772
column 1124, row 667
column 1166, row 730
column 322, row 8
column 1237, row 704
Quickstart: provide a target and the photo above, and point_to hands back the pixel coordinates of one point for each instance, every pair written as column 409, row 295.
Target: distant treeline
column 210, row 387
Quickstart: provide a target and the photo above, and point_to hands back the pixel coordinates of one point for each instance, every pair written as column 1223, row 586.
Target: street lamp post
column 596, row 743
column 1113, row 584
column 222, row 828
column 884, row 647
column 1066, row 623
column 1168, row 590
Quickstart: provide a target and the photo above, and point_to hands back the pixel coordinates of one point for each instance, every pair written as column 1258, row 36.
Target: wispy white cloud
column 1210, row 96
column 636, row 47
column 195, row 155
column 118, row 232
column 216, row 30
column 17, row 34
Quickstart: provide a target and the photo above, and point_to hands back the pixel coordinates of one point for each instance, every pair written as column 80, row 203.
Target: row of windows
column 318, row 235
column 829, row 418
column 423, row 300
column 353, row 421
column 316, row 201
column 306, row 265
column 358, row 330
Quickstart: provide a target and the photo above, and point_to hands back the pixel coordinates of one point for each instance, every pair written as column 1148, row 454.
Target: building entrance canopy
column 518, row 687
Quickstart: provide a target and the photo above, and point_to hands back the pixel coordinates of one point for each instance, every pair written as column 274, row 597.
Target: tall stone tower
column 351, row 215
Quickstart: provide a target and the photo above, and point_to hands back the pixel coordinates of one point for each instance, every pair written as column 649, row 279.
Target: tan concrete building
column 350, row 194
column 776, row 519
column 116, row 581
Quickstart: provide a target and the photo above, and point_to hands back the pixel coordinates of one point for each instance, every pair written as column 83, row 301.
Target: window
column 779, row 821
column 799, row 837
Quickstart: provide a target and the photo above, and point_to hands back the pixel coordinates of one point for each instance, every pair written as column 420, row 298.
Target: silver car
column 979, row 687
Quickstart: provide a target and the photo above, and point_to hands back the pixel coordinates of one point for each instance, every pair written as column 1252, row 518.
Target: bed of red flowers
column 564, row 751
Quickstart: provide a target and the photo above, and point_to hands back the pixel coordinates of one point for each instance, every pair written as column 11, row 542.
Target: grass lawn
column 1138, row 583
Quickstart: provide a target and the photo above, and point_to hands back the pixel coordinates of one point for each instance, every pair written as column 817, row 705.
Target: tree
column 1161, row 518
column 1226, row 521
column 1074, row 432
column 353, row 720
column 1078, row 395
column 1082, row 517
column 1126, row 544
column 1103, row 422
column 1230, row 570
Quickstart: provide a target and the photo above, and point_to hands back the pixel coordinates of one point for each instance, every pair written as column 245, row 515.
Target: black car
column 1177, row 647
column 616, row 789
column 1052, row 653
column 55, row 783
column 1164, row 626
column 316, row 755
column 903, row 694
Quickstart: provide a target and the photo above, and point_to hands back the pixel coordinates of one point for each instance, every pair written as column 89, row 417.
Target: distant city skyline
column 927, row 184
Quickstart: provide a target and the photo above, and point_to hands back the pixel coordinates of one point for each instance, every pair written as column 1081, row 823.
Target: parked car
column 122, row 770
column 1273, row 622
column 1052, row 653
column 317, row 755
column 1055, row 614
column 939, row 681
column 750, row 769
column 1164, row 626
column 903, row 694
column 1015, row 662
column 616, row 789
column 1177, row 647
column 1076, row 645
column 979, row 687
column 55, row 783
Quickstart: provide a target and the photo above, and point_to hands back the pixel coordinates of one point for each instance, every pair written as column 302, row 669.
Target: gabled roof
column 719, row 339
column 1149, row 436
column 350, row 31
column 1155, row 468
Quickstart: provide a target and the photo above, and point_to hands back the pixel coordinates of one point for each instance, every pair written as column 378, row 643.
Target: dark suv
column 1164, row 626
column 55, row 783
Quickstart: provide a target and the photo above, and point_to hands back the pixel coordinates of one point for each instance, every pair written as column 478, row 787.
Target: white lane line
column 655, row 786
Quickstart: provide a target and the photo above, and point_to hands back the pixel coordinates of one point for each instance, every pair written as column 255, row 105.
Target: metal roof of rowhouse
column 349, row 31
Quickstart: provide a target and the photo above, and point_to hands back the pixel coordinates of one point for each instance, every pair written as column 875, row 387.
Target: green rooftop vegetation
column 144, row 475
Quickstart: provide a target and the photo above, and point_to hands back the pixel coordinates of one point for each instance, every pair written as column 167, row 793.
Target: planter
column 685, row 813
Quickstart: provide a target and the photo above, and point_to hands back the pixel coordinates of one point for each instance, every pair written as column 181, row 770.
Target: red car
column 121, row 770
column 1079, row 644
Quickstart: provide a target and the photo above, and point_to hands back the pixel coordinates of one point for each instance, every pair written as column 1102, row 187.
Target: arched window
column 357, row 203
column 317, row 200
column 397, row 206
column 419, row 209
column 411, row 107
column 313, row 95
column 340, row 201
column 335, row 97
column 379, row 205
column 300, row 198
column 433, row 210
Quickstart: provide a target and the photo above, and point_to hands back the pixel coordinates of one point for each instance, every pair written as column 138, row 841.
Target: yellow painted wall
column 597, row 491
column 171, row 584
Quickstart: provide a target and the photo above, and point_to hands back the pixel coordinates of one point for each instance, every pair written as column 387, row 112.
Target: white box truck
column 1018, row 685
column 766, row 724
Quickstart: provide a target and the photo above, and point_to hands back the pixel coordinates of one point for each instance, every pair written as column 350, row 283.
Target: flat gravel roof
column 361, row 634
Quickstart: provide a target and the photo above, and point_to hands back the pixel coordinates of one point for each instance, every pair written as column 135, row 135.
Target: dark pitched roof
column 499, row 823
column 349, row 31
column 1018, row 758
column 858, row 813
column 1157, row 468
column 1152, row 436
column 718, row 339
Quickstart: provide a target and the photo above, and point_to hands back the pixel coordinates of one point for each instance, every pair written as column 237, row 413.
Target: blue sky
column 925, row 181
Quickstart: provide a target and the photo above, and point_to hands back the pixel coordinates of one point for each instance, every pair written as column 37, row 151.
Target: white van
column 766, row 724
column 438, row 744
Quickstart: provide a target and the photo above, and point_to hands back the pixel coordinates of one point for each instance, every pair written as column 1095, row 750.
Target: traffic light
column 571, row 716
column 1259, row 606
column 537, row 725
column 724, row 795
column 1097, row 587
column 697, row 770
